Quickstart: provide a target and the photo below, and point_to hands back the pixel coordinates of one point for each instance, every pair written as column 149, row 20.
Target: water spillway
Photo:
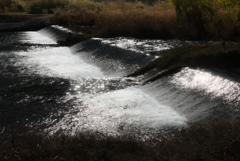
column 59, row 89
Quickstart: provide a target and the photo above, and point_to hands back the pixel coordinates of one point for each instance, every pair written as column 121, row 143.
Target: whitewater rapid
column 82, row 88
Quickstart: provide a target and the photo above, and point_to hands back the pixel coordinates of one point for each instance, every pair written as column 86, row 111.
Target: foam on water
column 62, row 28
column 58, row 62
column 119, row 111
column 136, row 106
column 208, row 83
column 93, row 99
column 142, row 46
column 55, row 32
column 36, row 38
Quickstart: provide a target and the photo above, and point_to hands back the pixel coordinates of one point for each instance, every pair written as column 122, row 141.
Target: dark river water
column 55, row 89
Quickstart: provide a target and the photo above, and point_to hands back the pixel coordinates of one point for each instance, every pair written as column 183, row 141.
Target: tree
column 204, row 13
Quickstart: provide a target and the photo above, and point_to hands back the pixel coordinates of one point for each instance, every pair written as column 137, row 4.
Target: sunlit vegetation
column 165, row 19
column 208, row 16
column 119, row 18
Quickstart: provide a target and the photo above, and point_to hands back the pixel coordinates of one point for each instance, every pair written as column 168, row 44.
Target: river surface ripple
column 55, row 89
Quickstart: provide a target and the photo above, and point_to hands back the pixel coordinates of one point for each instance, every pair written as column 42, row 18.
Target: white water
column 54, row 61
column 208, row 83
column 58, row 62
column 36, row 38
column 142, row 46
column 98, row 109
column 119, row 111
column 98, row 104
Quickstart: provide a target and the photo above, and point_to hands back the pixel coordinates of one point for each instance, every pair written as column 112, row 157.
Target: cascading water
column 82, row 88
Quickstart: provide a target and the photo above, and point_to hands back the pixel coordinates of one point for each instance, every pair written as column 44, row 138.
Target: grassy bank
column 215, row 142
column 204, row 56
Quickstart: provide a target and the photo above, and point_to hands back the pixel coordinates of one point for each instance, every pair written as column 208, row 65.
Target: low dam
column 58, row 89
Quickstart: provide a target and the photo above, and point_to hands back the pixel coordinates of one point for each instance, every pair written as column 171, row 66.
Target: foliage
column 149, row 2
column 197, row 20
column 36, row 5
column 228, row 4
column 205, row 15
column 132, row 20
column 232, row 6
column 12, row 5
column 197, row 12
column 139, row 5
column 84, row 4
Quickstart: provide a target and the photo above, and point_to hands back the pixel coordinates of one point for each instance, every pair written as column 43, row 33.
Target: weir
column 112, row 60
column 55, row 32
column 83, row 88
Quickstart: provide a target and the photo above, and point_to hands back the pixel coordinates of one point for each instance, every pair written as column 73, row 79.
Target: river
column 56, row 89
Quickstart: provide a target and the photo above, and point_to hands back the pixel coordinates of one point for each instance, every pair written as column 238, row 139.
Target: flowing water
column 57, row 89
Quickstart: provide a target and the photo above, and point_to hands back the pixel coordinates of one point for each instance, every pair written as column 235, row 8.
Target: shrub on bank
column 12, row 6
column 140, row 20
column 128, row 19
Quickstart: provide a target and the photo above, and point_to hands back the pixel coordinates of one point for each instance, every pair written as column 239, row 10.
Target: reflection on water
column 35, row 38
column 63, row 90
column 116, row 112
column 209, row 83
column 57, row 62
column 150, row 47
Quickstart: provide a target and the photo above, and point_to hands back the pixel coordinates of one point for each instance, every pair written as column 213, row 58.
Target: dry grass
column 126, row 19
column 138, row 23
column 132, row 19
column 215, row 142
column 119, row 18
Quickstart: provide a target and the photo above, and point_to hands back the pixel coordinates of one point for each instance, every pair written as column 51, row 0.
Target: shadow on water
column 19, row 41
column 27, row 100
column 67, row 90
column 26, row 97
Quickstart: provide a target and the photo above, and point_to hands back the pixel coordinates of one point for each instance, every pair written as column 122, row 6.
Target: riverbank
column 140, row 20
column 12, row 22
column 146, row 19
column 205, row 55
column 208, row 56
column 216, row 142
